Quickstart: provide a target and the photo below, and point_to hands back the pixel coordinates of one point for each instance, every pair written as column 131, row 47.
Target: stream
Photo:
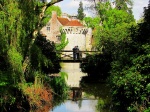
column 87, row 97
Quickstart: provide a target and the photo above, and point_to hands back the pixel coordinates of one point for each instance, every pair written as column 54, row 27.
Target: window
column 58, row 38
column 48, row 29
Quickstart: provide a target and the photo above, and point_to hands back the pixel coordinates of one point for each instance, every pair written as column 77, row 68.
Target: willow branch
column 36, row 31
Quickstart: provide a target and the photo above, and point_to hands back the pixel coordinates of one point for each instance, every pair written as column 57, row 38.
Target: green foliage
column 128, row 46
column 100, row 104
column 109, row 40
column 147, row 110
column 48, row 13
column 15, row 59
column 63, row 42
column 115, row 18
column 10, row 53
column 60, row 88
column 115, row 25
column 124, row 5
column 97, row 65
column 148, row 87
column 109, row 14
column 92, row 22
column 43, row 56
column 102, row 9
column 81, row 14
column 18, row 20
column 100, row 91
column 129, row 74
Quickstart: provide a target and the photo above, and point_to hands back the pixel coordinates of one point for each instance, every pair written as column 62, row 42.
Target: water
column 74, row 77
column 77, row 106
column 91, row 93
column 74, row 73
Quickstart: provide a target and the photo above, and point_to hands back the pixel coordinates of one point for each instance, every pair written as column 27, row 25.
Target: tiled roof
column 63, row 21
column 74, row 23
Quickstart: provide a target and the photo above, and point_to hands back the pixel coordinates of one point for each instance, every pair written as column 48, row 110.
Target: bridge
column 67, row 55
column 72, row 68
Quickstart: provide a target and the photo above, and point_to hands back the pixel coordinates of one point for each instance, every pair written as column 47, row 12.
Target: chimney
column 54, row 15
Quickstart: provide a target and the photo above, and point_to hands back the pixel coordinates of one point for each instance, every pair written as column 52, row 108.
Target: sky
column 72, row 106
column 71, row 7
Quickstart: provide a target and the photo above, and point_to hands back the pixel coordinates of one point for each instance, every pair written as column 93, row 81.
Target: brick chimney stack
column 54, row 26
column 54, row 14
column 53, row 20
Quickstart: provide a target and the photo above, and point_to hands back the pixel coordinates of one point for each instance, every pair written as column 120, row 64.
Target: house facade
column 76, row 33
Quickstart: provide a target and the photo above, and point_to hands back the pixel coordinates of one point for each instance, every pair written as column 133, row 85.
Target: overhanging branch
column 53, row 2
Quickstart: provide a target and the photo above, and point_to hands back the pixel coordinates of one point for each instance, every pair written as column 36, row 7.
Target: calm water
column 78, row 106
column 91, row 92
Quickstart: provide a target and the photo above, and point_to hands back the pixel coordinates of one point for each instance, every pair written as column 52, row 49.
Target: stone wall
column 77, row 35
column 76, row 40
column 89, row 40
column 52, row 29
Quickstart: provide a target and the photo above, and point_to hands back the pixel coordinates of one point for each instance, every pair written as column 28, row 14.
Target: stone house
column 76, row 33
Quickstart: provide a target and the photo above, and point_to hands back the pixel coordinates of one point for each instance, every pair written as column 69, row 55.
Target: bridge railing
column 68, row 54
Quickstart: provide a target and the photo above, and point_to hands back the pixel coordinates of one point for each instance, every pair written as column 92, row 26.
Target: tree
column 48, row 13
column 125, row 5
column 46, row 58
column 127, row 43
column 102, row 9
column 20, row 23
column 112, row 20
column 92, row 22
column 81, row 14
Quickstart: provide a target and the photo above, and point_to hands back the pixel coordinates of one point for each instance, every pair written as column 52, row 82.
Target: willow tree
column 20, row 23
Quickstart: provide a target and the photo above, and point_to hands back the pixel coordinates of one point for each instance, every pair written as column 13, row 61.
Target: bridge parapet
column 68, row 54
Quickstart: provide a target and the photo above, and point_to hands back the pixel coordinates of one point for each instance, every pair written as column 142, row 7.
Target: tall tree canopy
column 92, row 22
column 125, row 50
column 125, row 5
column 80, row 14
column 20, row 23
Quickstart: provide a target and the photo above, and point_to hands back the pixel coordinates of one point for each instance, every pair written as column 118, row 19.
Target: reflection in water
column 90, row 96
column 74, row 73
column 99, row 90
column 75, row 106
column 76, row 94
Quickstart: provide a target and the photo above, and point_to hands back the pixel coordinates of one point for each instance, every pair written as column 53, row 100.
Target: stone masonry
column 76, row 33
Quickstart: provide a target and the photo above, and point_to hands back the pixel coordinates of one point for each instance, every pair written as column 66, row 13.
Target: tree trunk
column 36, row 31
